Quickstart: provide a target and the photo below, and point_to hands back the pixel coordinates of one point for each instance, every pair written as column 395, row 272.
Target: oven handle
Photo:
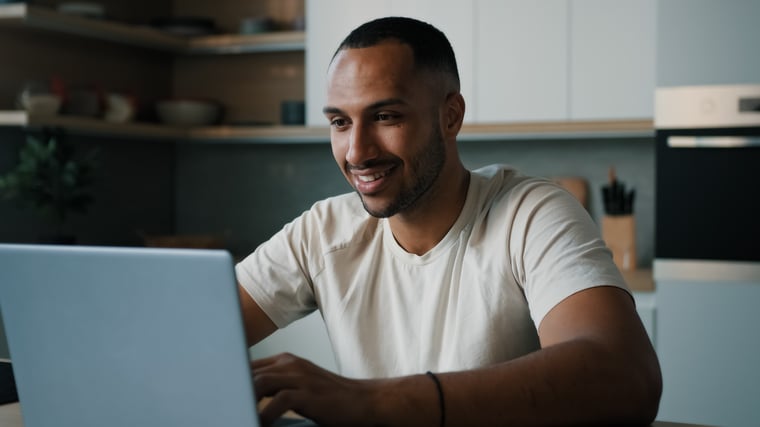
column 713, row 141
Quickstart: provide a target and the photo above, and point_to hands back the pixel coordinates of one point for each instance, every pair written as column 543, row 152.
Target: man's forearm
column 576, row 382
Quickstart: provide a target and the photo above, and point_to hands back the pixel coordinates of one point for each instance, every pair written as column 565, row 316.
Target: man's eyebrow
column 374, row 106
column 331, row 110
column 385, row 103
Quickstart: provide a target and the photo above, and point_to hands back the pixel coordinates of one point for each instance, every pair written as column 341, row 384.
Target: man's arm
column 596, row 366
column 257, row 324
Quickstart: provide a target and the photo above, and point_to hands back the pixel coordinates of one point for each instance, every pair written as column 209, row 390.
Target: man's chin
column 377, row 208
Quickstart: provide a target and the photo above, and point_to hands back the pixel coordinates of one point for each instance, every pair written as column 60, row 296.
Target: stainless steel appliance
column 707, row 253
column 708, row 173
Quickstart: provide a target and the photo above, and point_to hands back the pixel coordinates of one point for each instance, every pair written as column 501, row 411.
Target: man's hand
column 296, row 384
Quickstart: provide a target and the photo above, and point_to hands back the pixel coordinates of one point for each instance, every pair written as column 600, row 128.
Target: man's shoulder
column 497, row 182
column 504, row 194
column 338, row 221
column 346, row 206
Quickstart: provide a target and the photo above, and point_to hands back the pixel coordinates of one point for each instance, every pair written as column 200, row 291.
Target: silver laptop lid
column 125, row 337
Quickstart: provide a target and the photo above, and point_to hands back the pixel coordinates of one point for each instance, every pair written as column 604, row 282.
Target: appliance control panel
column 719, row 106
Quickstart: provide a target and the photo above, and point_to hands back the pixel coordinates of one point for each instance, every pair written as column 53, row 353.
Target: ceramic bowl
column 40, row 104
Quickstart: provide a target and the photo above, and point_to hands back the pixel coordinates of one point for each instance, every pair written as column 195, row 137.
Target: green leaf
column 50, row 178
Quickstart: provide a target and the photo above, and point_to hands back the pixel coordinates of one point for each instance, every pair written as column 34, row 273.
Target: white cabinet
column 564, row 60
column 708, row 342
column 521, row 61
column 612, row 59
column 330, row 21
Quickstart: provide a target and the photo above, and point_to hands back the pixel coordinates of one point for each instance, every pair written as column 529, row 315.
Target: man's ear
column 454, row 113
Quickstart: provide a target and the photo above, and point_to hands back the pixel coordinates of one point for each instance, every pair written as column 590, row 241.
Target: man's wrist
column 403, row 401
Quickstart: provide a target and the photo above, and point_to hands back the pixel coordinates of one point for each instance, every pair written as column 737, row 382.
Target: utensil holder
column 619, row 233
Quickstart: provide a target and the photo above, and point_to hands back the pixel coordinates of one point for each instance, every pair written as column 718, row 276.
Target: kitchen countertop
column 639, row 280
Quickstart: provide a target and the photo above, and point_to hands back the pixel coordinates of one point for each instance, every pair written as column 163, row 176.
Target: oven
column 708, row 173
column 707, row 252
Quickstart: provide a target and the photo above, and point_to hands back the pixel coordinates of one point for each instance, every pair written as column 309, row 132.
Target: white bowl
column 119, row 108
column 40, row 104
column 187, row 112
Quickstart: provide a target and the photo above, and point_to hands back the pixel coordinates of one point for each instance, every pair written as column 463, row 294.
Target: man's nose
column 362, row 145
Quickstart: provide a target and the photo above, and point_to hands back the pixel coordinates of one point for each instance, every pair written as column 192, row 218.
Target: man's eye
column 385, row 116
column 338, row 123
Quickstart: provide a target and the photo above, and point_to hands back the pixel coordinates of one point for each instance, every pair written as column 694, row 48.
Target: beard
column 426, row 165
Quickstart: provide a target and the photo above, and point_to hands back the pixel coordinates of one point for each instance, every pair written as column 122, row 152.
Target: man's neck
column 420, row 229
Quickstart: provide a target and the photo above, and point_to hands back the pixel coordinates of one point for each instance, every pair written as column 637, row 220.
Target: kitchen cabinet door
column 521, row 60
column 708, row 346
column 328, row 23
column 612, row 71
column 455, row 19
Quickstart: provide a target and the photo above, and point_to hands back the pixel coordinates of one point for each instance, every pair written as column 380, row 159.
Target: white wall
column 703, row 42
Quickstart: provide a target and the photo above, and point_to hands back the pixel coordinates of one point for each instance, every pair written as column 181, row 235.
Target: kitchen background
column 534, row 64
column 246, row 191
column 171, row 185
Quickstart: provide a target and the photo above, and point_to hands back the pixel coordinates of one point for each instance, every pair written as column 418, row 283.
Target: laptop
column 126, row 337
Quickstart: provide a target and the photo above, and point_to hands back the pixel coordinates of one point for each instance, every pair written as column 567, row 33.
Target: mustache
column 373, row 163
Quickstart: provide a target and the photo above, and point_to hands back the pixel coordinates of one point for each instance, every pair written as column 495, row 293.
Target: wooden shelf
column 37, row 17
column 558, row 129
column 262, row 134
column 89, row 125
column 13, row 118
column 255, row 43
column 147, row 37
column 243, row 134
column 321, row 134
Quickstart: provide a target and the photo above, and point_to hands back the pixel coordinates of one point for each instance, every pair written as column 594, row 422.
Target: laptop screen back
column 125, row 337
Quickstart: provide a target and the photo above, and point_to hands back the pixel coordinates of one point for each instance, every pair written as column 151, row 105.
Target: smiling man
column 451, row 297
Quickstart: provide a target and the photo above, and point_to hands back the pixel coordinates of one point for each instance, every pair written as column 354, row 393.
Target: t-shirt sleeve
column 276, row 274
column 556, row 248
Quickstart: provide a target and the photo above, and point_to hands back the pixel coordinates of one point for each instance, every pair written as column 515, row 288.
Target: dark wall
column 133, row 190
column 249, row 192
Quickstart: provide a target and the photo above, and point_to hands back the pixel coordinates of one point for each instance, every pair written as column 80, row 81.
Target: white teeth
column 370, row 178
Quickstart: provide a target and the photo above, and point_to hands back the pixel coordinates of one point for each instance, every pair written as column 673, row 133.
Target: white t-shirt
column 519, row 247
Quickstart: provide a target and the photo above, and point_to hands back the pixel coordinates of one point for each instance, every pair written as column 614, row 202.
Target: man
column 496, row 282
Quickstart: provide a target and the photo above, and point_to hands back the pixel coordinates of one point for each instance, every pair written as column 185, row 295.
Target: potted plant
column 53, row 181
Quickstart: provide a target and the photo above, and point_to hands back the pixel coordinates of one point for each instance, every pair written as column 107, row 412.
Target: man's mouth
column 373, row 177
column 369, row 181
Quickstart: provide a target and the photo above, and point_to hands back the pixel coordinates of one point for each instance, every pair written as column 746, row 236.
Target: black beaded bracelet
column 441, row 401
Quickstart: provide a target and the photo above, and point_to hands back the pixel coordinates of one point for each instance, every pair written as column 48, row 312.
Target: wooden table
column 10, row 416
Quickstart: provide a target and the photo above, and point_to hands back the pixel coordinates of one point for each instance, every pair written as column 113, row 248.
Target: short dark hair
column 430, row 47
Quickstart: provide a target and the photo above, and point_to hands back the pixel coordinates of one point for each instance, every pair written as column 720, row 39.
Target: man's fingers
column 289, row 383
column 276, row 360
column 268, row 384
column 269, row 361
column 279, row 404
